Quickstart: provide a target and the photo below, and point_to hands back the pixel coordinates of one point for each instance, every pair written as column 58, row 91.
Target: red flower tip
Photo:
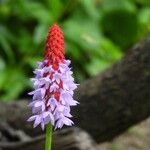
column 54, row 48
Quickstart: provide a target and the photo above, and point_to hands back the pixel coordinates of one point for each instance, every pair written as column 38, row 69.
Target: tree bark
column 109, row 102
column 117, row 99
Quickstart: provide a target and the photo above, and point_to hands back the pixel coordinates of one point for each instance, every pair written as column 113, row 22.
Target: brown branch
column 119, row 98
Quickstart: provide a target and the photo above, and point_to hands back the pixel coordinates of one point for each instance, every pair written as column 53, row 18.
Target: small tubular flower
column 53, row 85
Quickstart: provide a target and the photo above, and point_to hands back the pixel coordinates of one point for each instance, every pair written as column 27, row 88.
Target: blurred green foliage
column 97, row 33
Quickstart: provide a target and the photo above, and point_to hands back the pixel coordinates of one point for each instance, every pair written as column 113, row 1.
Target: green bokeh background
column 97, row 34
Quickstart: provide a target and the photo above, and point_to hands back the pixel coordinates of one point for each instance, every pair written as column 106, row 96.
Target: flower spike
column 53, row 85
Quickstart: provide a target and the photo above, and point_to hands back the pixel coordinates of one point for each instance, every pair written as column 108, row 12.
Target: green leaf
column 109, row 54
column 86, row 35
column 144, row 17
column 15, row 82
column 143, row 2
column 6, row 39
column 40, row 33
column 33, row 9
column 109, row 51
column 96, row 66
column 120, row 22
column 2, row 73
column 90, row 8
column 111, row 5
column 2, row 64
column 25, row 43
column 73, row 51
column 32, row 61
column 56, row 7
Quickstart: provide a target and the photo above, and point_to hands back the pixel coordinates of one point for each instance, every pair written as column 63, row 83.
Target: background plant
column 97, row 33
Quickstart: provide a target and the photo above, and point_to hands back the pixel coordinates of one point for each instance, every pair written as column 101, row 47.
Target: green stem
column 48, row 142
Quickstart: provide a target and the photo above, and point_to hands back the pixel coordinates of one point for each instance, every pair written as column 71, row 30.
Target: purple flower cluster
column 52, row 95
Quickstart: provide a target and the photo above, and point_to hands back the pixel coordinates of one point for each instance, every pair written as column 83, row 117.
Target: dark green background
column 97, row 34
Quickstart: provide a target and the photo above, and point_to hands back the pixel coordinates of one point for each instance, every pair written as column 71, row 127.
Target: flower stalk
column 48, row 142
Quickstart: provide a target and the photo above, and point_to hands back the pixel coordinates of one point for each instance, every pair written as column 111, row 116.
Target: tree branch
column 117, row 99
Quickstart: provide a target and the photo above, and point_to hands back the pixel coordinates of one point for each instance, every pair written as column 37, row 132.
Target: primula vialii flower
column 53, row 85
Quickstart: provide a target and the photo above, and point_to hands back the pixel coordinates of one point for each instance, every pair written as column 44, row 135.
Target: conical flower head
column 53, row 85
column 54, row 48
